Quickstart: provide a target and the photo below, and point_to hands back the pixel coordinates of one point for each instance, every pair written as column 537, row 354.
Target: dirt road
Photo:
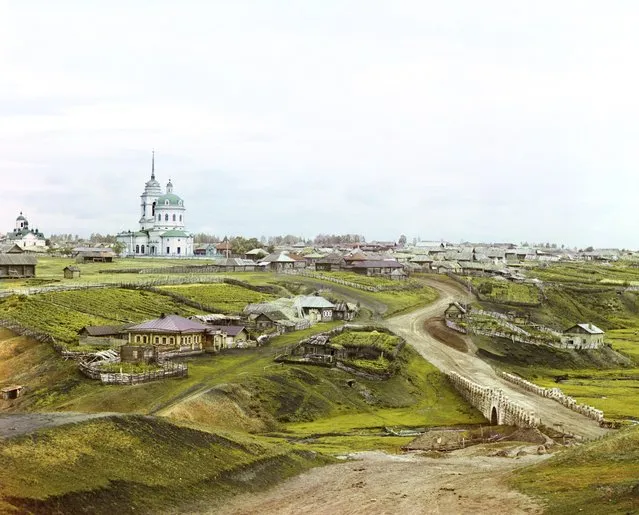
column 15, row 424
column 462, row 482
column 411, row 328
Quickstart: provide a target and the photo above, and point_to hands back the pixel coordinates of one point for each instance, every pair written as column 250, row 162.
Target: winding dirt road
column 411, row 328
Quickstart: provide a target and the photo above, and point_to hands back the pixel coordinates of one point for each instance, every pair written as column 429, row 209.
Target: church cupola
column 169, row 187
column 21, row 222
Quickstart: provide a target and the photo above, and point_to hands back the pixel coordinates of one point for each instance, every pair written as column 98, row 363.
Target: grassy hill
column 598, row 477
column 136, row 464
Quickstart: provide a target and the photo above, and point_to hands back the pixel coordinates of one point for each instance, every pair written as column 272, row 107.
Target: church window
column 180, row 218
column 166, row 202
column 171, row 340
column 144, row 339
column 153, row 209
column 157, row 339
column 168, row 250
column 159, row 218
column 178, row 250
column 137, row 339
column 174, row 218
column 137, row 249
column 163, row 340
column 166, row 218
column 142, row 249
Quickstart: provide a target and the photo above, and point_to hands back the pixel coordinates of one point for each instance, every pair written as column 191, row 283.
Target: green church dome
column 169, row 199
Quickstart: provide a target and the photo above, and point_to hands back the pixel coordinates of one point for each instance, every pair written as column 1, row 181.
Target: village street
column 411, row 327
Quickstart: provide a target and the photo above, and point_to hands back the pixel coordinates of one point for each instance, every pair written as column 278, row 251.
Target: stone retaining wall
column 555, row 394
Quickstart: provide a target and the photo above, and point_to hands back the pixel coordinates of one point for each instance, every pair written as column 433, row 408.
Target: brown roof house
column 171, row 335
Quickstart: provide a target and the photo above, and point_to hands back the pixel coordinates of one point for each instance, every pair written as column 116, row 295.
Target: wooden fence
column 336, row 280
column 168, row 369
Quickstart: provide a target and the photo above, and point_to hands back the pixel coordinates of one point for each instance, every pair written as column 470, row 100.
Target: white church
column 162, row 232
column 26, row 238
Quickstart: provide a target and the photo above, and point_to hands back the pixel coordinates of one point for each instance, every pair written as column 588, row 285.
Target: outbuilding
column 71, row 272
column 15, row 266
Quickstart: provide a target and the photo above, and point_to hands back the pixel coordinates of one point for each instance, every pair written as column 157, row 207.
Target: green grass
column 62, row 314
column 587, row 273
column 383, row 342
column 375, row 282
column 228, row 298
column 137, row 464
column 598, row 477
column 505, row 291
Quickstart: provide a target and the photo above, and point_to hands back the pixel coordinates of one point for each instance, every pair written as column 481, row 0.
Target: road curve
column 411, row 327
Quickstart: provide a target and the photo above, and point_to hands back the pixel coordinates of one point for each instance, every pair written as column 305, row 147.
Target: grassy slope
column 248, row 382
column 226, row 297
column 599, row 477
column 62, row 314
column 137, row 464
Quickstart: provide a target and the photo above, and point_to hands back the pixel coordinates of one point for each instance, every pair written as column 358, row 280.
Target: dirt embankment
column 463, row 482
column 436, row 328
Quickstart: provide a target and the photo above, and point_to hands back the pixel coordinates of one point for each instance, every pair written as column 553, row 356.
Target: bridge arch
column 494, row 416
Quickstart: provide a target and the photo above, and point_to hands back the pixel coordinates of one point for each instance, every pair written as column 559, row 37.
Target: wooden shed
column 71, row 272
column 17, row 266
column 11, row 392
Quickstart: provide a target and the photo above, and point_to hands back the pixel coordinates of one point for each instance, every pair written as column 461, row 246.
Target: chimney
column 162, row 315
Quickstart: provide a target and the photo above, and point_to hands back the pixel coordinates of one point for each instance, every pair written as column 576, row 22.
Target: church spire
column 153, row 165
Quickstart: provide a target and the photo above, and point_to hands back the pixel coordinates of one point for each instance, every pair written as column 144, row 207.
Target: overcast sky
column 481, row 121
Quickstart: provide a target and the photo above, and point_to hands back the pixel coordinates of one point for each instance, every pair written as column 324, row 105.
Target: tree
column 402, row 240
column 118, row 247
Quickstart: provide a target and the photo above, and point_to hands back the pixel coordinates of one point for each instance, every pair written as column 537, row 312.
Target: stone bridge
column 493, row 403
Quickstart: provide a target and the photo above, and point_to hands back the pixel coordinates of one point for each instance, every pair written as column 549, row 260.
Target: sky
column 493, row 121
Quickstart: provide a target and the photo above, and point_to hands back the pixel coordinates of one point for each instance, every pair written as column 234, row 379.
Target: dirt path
column 411, row 327
column 462, row 482
column 21, row 423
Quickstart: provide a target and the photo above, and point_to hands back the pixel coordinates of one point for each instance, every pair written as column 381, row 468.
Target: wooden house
column 93, row 255
column 226, row 337
column 456, row 311
column 16, row 266
column 170, row 333
column 314, row 308
column 279, row 262
column 11, row 248
column 108, row 335
column 256, row 254
column 331, row 263
column 582, row 336
column 375, row 267
column 71, row 272
column 346, row 311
